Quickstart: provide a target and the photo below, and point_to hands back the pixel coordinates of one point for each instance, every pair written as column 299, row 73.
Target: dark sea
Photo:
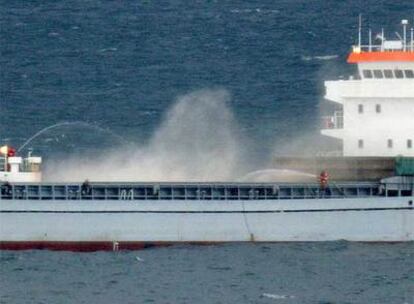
column 94, row 76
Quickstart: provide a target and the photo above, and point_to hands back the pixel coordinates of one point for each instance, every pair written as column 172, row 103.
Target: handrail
column 191, row 191
column 409, row 48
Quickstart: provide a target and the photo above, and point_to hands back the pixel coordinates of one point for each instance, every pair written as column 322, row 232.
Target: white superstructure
column 16, row 169
column 377, row 115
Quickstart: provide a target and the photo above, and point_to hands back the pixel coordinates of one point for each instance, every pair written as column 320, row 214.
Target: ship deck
column 200, row 191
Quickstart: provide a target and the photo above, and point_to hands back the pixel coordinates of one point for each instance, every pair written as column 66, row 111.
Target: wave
column 324, row 57
column 276, row 296
column 254, row 10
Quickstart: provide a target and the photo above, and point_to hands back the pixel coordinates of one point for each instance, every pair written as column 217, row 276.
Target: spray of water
column 69, row 123
column 197, row 141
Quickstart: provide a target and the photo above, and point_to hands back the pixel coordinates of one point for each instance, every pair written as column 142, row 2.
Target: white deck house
column 18, row 169
column 377, row 116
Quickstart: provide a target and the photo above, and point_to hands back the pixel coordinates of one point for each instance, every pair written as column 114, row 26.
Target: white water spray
column 69, row 123
column 198, row 141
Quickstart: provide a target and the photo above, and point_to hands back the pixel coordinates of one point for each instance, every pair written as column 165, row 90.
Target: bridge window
column 378, row 74
column 409, row 73
column 392, row 193
column 360, row 143
column 360, row 108
column 398, row 74
column 409, row 143
column 378, row 108
column 388, row 74
column 389, row 143
column 367, row 73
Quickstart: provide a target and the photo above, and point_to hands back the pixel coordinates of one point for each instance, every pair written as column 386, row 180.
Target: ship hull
column 113, row 225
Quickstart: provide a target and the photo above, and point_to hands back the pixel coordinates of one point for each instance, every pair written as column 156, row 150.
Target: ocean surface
column 301, row 273
column 178, row 86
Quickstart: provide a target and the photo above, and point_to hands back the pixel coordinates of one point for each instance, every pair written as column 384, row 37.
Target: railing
column 333, row 122
column 187, row 191
column 387, row 46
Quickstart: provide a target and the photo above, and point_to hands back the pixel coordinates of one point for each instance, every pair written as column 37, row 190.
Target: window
column 367, row 73
column 409, row 73
column 389, row 143
column 388, row 74
column 409, row 143
column 360, row 108
column 378, row 108
column 360, row 143
column 378, row 74
column 398, row 74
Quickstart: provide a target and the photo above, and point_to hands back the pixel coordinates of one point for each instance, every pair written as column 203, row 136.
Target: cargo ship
column 365, row 193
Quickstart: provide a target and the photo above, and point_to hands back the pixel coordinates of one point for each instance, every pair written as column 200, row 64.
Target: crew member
column 86, row 188
column 323, row 179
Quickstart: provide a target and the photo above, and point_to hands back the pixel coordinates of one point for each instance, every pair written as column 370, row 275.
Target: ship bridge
column 376, row 115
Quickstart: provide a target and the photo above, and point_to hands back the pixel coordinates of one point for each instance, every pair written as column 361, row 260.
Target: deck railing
column 387, row 46
column 188, row 191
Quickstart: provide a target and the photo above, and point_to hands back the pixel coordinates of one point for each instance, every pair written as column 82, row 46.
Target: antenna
column 370, row 40
column 359, row 30
column 404, row 22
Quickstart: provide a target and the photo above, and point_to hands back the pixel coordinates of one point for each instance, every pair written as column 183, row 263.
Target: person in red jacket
column 323, row 179
column 324, row 183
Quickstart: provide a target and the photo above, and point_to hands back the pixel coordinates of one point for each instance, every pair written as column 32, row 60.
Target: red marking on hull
column 380, row 57
column 89, row 246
